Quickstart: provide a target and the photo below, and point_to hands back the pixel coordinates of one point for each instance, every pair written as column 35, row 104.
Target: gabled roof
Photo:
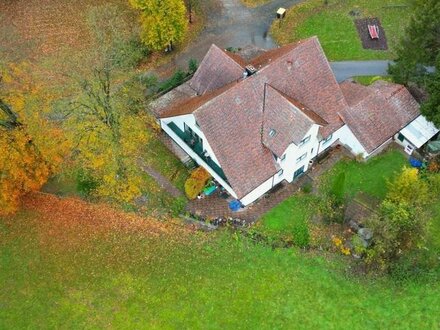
column 285, row 121
column 232, row 118
column 188, row 106
column 232, row 125
column 217, row 69
column 377, row 112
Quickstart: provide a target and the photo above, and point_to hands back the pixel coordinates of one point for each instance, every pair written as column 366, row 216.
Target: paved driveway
column 233, row 25
column 230, row 24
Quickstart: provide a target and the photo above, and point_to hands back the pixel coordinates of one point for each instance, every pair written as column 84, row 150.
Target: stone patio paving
column 215, row 206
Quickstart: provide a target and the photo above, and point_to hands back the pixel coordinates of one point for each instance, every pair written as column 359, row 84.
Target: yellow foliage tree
column 163, row 22
column 110, row 135
column 195, row 183
column 32, row 148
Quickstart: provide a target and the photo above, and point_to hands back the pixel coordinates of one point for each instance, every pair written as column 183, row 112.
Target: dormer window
column 272, row 132
column 304, row 141
column 327, row 139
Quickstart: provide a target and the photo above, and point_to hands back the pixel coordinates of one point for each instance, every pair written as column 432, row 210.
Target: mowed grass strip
column 76, row 271
column 371, row 177
column 335, row 27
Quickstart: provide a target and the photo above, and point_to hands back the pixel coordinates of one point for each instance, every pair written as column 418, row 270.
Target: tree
column 32, row 147
column 163, row 22
column 109, row 134
column 400, row 226
column 116, row 38
column 431, row 107
column 420, row 44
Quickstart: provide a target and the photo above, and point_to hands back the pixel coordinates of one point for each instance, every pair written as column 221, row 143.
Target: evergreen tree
column 420, row 45
column 431, row 108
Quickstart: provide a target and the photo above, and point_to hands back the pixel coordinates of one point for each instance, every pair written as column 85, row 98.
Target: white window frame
column 302, row 157
column 304, row 141
column 327, row 139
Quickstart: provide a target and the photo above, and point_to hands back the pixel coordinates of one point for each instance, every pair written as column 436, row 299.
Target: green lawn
column 70, row 279
column 369, row 177
column 368, row 80
column 335, row 27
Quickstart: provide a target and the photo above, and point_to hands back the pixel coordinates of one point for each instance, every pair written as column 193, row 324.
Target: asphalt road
column 230, row 24
column 347, row 69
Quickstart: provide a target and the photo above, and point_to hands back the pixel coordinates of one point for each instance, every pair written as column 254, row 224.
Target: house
column 252, row 124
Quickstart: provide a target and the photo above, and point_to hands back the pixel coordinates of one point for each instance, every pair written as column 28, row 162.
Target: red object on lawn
column 373, row 30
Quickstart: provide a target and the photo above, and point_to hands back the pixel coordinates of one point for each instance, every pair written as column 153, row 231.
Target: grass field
column 368, row 80
column 65, row 264
column 335, row 28
column 370, row 177
column 292, row 217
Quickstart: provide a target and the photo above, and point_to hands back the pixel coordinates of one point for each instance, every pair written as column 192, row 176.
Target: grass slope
column 69, row 265
column 335, row 27
column 370, row 177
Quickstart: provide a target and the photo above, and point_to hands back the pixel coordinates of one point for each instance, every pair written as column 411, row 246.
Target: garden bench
column 373, row 30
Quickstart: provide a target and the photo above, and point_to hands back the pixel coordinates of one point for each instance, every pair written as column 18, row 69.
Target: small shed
column 281, row 12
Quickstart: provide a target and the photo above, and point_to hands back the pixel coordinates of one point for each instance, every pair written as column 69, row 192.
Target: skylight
column 272, row 132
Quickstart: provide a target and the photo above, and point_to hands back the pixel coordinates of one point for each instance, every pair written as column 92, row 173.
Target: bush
column 307, row 189
column 192, row 66
column 301, row 235
column 85, row 183
column 176, row 79
column 196, row 182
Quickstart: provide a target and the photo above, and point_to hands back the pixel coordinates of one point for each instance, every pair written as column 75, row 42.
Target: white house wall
column 258, row 192
column 346, row 137
column 289, row 164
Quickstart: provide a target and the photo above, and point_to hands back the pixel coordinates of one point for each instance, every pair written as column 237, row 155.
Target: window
column 302, row 157
column 327, row 139
column 280, row 173
column 272, row 132
column 283, row 157
column 401, row 137
column 304, row 141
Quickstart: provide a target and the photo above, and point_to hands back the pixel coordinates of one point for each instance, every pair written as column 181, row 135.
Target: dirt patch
column 68, row 223
column 367, row 42
column 52, row 24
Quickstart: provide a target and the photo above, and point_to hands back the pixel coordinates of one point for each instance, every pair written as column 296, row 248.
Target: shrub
column 301, row 235
column 192, row 66
column 176, row 79
column 307, row 189
column 195, row 183
column 85, row 183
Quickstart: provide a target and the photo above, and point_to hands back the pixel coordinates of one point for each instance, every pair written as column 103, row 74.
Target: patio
column 216, row 206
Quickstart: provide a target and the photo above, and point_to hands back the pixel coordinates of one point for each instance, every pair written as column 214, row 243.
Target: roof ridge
column 302, row 108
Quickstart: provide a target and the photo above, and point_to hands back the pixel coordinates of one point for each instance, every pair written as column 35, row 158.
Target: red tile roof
column 233, row 119
column 285, row 121
column 377, row 112
column 217, row 69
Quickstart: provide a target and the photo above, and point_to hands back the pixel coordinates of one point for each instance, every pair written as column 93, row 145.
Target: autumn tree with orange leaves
column 31, row 147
